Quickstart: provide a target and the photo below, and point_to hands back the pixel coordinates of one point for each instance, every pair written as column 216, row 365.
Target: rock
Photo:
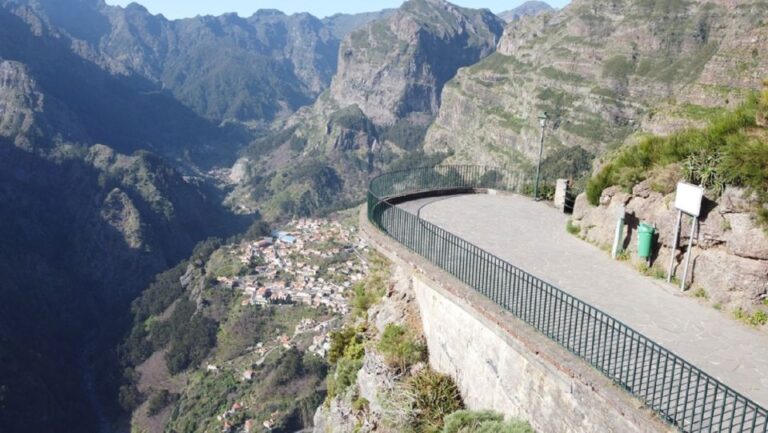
column 239, row 170
column 745, row 238
column 728, row 278
column 642, row 189
column 613, row 195
column 548, row 61
column 713, row 230
column 120, row 213
column 733, row 200
column 374, row 381
column 580, row 207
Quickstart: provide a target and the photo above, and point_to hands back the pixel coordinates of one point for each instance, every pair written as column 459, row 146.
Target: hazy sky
column 320, row 8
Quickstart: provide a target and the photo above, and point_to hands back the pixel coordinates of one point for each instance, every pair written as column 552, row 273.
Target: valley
column 179, row 247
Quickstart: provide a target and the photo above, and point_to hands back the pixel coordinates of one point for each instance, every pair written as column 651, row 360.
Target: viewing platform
column 532, row 236
column 695, row 367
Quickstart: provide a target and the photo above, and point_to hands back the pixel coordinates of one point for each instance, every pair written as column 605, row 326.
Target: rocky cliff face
column 729, row 260
column 376, row 380
column 603, row 71
column 383, row 97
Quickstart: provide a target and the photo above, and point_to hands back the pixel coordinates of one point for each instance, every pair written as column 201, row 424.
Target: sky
column 321, row 8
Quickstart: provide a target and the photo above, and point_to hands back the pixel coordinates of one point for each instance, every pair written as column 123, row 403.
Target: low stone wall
column 730, row 255
column 502, row 364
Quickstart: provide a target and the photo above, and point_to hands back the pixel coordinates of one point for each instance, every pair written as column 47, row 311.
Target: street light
column 543, row 118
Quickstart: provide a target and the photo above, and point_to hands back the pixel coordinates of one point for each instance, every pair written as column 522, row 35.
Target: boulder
column 734, row 200
column 728, row 278
column 581, row 206
column 745, row 238
column 713, row 229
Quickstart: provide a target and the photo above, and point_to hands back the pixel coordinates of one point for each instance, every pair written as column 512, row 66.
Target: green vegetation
column 465, row 421
column 572, row 228
column 352, row 117
column 400, row 347
column 288, row 384
column 701, row 293
column 370, row 290
column 188, row 334
column 757, row 318
column 508, row 120
column 404, row 134
column 558, row 75
column 159, row 401
column 498, row 63
column 425, row 399
column 732, row 150
column 346, row 356
column 572, row 163
column 698, row 112
column 618, row 68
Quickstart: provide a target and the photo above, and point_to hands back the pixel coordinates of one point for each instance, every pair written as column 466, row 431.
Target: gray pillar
column 561, row 189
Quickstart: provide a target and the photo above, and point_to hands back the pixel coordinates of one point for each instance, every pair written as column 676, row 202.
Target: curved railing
column 679, row 392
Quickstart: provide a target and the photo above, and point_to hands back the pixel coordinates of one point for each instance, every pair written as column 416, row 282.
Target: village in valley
column 306, row 273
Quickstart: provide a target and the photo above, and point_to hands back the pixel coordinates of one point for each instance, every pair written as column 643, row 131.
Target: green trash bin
column 645, row 233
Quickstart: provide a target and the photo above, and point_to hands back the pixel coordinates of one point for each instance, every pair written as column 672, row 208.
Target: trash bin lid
column 645, row 228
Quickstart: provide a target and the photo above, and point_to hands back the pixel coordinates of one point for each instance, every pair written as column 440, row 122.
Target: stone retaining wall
column 729, row 259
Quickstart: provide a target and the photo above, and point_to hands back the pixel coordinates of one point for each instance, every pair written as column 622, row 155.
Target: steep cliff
column 385, row 94
column 603, row 71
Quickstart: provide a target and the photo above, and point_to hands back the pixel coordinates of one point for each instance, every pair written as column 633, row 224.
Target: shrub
column 400, row 348
column 723, row 153
column 346, row 352
column 343, row 376
column 368, row 292
column 432, row 396
column 159, row 401
column 465, row 421
column 572, row 228
column 347, row 342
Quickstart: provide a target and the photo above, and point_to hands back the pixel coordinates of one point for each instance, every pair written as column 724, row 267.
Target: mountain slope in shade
column 84, row 229
column 85, row 226
column 603, row 71
column 225, row 67
column 526, row 9
column 383, row 97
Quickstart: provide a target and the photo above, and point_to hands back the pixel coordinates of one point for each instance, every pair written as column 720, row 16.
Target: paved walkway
column 532, row 236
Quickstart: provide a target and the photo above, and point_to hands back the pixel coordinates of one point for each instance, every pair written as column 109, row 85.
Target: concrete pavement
column 532, row 236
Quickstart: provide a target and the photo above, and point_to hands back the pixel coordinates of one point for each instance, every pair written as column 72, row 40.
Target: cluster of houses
column 313, row 262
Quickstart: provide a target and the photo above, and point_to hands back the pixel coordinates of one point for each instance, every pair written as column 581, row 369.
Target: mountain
column 86, row 225
column 603, row 71
column 341, row 25
column 54, row 96
column 84, row 229
column 383, row 97
column 226, row 67
column 526, row 9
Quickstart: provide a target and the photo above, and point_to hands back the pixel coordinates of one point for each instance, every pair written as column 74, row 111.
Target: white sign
column 688, row 198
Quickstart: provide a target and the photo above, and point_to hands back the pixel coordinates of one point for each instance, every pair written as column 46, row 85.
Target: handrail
column 682, row 394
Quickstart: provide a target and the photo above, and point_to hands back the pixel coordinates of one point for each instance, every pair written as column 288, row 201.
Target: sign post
column 688, row 200
column 619, row 235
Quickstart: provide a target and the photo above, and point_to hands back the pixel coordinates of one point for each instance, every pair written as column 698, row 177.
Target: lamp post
column 543, row 118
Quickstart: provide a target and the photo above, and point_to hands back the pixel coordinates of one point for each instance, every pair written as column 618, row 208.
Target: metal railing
column 680, row 393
